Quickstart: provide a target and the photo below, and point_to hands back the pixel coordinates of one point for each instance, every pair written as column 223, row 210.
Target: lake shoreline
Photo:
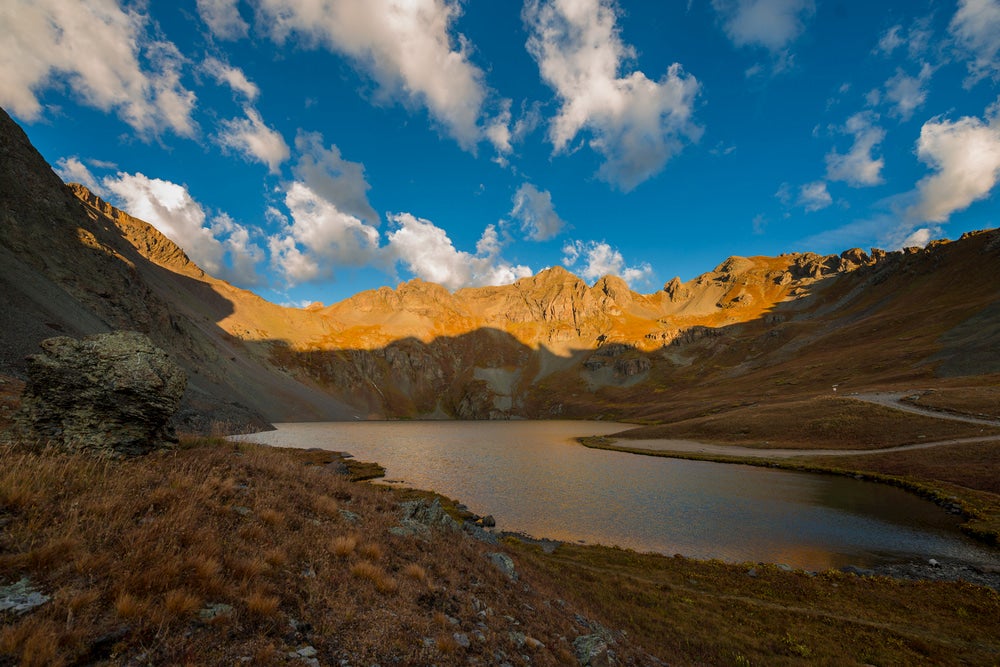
column 942, row 498
column 526, row 474
column 930, row 570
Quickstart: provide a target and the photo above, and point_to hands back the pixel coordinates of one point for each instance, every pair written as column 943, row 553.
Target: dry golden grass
column 141, row 547
column 370, row 550
column 325, row 506
column 343, row 546
column 415, row 572
column 691, row 612
column 181, row 603
column 369, row 571
column 262, row 605
column 982, row 401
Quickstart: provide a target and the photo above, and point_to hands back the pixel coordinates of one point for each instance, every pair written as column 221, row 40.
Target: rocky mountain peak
column 144, row 237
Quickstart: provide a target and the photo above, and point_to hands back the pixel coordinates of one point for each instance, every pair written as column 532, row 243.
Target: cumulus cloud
column 330, row 223
column 243, row 253
column 811, row 196
column 72, row 170
column 332, row 177
column 858, row 167
column 319, row 238
column 814, row 196
column 429, row 254
column 918, row 238
column 907, row 93
column 772, row 24
column 596, row 259
column 636, row 123
column 171, row 209
column 965, row 157
column 976, row 29
column 536, row 213
column 102, row 53
column 254, row 140
column 406, row 47
column 233, row 77
column 223, row 18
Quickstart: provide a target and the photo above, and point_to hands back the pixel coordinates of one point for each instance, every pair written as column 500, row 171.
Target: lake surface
column 534, row 478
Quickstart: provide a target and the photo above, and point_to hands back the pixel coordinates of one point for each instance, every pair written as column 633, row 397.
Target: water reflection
column 533, row 478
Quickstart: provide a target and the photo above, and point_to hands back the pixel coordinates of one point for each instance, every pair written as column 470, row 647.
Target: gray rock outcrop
column 111, row 393
column 592, row 651
column 419, row 516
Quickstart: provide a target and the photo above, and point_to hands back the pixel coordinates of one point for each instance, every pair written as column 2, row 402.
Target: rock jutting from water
column 110, row 393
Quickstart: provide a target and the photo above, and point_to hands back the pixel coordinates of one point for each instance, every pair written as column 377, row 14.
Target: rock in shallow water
column 110, row 393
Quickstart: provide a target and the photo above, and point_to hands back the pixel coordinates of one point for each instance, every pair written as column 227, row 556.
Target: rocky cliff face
column 548, row 345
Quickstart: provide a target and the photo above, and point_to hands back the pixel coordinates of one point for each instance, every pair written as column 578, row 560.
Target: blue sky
column 310, row 149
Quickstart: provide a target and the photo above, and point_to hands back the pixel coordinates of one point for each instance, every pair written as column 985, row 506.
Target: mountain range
column 753, row 328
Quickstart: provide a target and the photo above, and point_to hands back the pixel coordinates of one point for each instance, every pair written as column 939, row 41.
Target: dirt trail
column 891, row 400
column 895, row 400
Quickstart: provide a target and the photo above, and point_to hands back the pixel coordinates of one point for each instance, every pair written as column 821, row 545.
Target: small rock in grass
column 592, row 651
column 21, row 597
column 505, row 564
column 349, row 516
column 213, row 611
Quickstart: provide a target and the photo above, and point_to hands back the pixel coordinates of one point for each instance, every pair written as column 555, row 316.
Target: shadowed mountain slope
column 549, row 345
column 72, row 265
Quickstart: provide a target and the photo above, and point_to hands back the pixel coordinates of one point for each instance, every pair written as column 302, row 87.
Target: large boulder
column 112, row 393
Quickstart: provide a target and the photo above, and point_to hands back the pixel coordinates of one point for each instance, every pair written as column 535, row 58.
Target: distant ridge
column 549, row 345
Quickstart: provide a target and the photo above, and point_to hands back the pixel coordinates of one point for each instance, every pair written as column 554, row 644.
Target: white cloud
column 244, row 254
column 891, row 40
column 319, row 238
column 231, row 76
column 331, row 223
column 916, row 38
column 636, row 123
column 406, row 46
column 223, row 18
column 907, row 93
column 534, row 209
column 171, row 209
column 773, row 24
column 965, row 157
column 72, row 170
column 429, row 254
column 858, row 167
column 254, row 140
column 96, row 49
column 600, row 260
column 784, row 194
column 976, row 29
column 814, row 196
column 337, row 180
column 918, row 238
column 498, row 130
